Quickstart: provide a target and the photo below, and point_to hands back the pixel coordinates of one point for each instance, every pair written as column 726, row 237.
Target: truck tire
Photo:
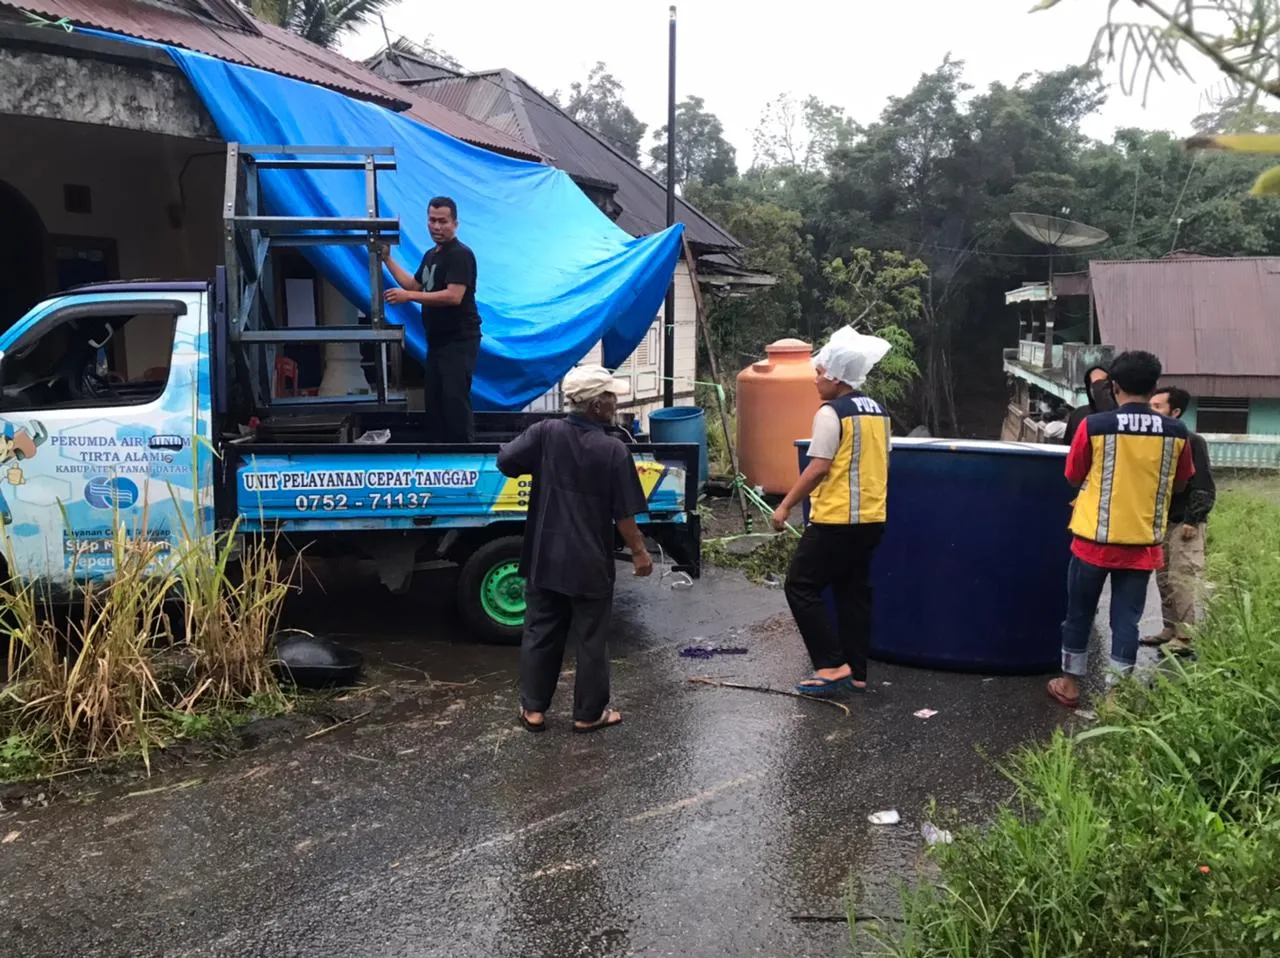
column 491, row 592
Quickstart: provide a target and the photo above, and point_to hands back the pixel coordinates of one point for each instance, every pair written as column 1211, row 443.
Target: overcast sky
column 739, row 54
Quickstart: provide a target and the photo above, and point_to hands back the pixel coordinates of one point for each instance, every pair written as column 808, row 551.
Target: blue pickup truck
column 135, row 403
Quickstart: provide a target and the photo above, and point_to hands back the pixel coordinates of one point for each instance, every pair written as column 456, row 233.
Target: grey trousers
column 550, row 621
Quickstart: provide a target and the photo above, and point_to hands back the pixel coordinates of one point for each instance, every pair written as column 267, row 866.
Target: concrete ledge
column 78, row 83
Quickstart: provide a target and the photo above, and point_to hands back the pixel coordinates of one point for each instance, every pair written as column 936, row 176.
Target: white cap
column 849, row 356
column 585, row 383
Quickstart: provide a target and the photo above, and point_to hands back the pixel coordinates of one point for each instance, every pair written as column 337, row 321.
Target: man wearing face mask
column 1101, row 399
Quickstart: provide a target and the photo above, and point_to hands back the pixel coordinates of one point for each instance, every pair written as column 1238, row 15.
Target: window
column 91, row 357
column 1217, row 415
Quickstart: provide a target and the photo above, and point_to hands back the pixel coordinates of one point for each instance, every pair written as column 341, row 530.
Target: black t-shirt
column 451, row 263
column 584, row 480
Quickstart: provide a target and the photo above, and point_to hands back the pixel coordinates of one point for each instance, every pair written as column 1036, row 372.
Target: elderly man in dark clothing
column 584, row 486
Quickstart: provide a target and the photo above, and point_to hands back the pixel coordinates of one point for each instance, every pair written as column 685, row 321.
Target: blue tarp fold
column 555, row 274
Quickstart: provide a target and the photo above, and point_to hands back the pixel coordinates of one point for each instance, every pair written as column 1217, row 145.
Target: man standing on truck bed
column 584, row 484
column 445, row 285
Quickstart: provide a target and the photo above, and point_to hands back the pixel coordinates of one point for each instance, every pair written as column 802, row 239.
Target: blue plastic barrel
column 682, row 424
column 971, row 575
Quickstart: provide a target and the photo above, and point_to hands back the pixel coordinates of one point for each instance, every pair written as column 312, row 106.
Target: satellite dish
column 1059, row 232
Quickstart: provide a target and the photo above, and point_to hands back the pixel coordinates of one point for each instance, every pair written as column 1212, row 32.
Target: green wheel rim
column 502, row 594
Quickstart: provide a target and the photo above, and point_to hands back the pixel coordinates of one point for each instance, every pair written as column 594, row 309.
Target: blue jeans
column 1128, row 601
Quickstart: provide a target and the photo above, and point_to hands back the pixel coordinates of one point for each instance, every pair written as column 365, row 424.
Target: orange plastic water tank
column 776, row 403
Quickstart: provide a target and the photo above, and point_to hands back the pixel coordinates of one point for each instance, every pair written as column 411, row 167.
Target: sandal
column 821, row 688
column 532, row 726
column 608, row 718
column 1180, row 648
column 1155, row 641
column 1055, row 692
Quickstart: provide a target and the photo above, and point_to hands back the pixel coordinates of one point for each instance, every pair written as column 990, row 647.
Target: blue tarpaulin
column 556, row 275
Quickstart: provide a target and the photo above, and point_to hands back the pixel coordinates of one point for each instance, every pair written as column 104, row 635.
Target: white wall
column 643, row 368
column 133, row 183
column 135, row 201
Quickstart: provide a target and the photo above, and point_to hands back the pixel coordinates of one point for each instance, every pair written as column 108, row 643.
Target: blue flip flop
column 828, row 688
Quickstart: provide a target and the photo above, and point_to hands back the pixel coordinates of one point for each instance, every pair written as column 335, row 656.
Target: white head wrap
column 849, row 356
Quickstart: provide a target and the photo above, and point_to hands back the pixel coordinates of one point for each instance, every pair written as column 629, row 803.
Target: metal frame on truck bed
column 91, row 447
column 400, row 531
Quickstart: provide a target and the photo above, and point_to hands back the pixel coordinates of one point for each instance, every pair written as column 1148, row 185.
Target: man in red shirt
column 1127, row 463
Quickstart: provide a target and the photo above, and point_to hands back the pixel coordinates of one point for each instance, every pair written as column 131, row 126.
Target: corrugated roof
column 1214, row 322
column 275, row 49
column 512, row 105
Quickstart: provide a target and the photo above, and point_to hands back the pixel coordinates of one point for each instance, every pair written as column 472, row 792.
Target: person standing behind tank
column 1127, row 464
column 1100, row 400
column 1181, row 581
column 846, row 483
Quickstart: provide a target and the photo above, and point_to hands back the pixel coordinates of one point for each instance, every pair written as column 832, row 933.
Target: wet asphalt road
column 705, row 826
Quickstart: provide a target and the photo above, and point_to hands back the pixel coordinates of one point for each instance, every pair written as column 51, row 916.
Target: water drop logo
column 106, row 492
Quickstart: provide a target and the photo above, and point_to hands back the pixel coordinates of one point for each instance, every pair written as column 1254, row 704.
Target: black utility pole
column 669, row 311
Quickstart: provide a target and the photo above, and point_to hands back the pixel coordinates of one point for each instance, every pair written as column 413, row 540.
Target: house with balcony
column 1213, row 321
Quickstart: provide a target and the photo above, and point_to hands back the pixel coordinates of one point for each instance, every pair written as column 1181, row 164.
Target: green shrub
column 112, row 678
column 1156, row 833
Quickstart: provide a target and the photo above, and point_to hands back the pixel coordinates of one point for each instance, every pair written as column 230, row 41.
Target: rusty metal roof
column 1214, row 322
column 512, row 105
column 268, row 48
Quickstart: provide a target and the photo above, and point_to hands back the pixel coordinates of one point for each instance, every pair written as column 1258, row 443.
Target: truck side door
column 104, row 421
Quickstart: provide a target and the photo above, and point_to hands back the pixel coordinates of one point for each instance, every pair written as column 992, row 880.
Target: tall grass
column 181, row 629
column 1156, row 833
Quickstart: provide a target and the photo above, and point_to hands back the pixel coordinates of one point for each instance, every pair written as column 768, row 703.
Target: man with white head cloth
column 584, row 486
column 846, row 483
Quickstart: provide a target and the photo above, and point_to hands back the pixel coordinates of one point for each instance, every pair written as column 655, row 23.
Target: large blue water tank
column 682, row 424
column 972, row 572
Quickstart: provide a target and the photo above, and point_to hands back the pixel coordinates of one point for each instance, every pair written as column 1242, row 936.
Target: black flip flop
column 532, row 726
column 601, row 723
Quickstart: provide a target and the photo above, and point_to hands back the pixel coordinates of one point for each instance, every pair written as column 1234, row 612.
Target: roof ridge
column 604, row 141
column 1177, row 260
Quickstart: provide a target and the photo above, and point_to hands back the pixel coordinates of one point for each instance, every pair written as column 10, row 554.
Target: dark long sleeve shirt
column 1193, row 504
column 584, row 482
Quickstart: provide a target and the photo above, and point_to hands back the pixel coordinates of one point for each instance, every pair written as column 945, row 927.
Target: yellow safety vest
column 1125, row 498
column 856, row 488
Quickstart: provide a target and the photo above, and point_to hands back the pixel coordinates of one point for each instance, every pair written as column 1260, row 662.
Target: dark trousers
column 447, row 389
column 551, row 619
column 838, row 556
column 1128, row 602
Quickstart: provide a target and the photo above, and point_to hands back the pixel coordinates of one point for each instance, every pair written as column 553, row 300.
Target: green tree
column 1242, row 41
column 598, row 104
column 1236, row 114
column 800, row 135
column 703, row 155
column 879, row 294
column 774, row 243
column 321, row 21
